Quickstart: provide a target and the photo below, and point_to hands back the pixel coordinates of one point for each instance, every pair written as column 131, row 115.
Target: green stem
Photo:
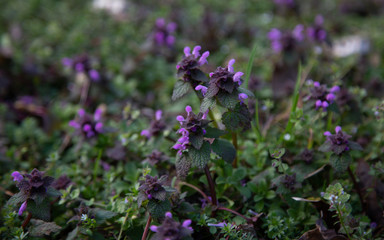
column 295, row 100
column 234, row 142
column 342, row 222
column 212, row 116
column 122, row 226
column 97, row 166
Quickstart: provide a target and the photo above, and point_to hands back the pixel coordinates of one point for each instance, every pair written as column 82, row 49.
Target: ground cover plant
column 191, row 119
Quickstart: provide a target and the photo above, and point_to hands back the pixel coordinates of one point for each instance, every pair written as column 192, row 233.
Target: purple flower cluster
column 82, row 64
column 188, row 68
column 191, row 126
column 225, row 81
column 338, row 142
column 172, row 230
column 163, row 33
column 287, row 40
column 316, row 32
column 323, row 96
column 87, row 125
column 156, row 127
column 152, row 188
column 32, row 186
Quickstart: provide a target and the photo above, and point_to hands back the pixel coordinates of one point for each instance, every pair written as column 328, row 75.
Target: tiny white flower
column 84, row 217
column 287, row 137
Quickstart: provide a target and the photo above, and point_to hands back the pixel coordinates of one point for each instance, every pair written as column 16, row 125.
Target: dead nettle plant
column 221, row 92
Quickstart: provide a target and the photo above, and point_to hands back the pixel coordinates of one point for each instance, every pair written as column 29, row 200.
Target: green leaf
column 206, row 104
column 200, row 157
column 224, row 149
column 52, row 192
column 183, row 164
column 326, row 147
column 181, row 89
column 158, row 208
column 39, row 211
column 18, row 198
column 340, row 162
column 196, row 140
column 238, row 174
column 213, row 132
column 238, row 118
column 198, row 75
column 354, row 146
column 40, row 228
column 72, row 235
column 228, row 100
column 101, row 215
column 246, row 91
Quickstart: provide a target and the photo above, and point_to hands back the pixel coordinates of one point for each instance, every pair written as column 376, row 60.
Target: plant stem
column 197, row 190
column 234, row 142
column 342, row 222
column 26, row 221
column 212, row 116
column 97, row 165
column 122, row 226
column 356, row 186
column 211, row 184
column 234, row 212
column 146, row 230
column 257, row 124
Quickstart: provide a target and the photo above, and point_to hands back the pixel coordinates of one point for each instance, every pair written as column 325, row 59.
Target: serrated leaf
column 52, row 192
column 246, row 91
column 196, row 140
column 340, row 162
column 141, row 198
column 18, row 198
column 238, row 118
column 183, row 164
column 213, row 132
column 206, row 104
column 224, row 149
column 212, row 91
column 181, row 89
column 40, row 228
column 198, row 75
column 200, row 157
column 39, row 211
column 228, row 100
column 354, row 146
column 326, row 147
column 158, row 208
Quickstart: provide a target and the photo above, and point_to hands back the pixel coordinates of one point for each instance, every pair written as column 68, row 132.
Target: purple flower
column 67, row 62
column 274, row 34
column 22, row 208
column 338, row 142
column 242, row 97
column 170, row 229
column 317, row 32
column 298, row 32
column 322, row 95
column 189, row 66
column 94, row 75
column 163, row 33
column 156, row 127
column 201, row 88
column 87, row 125
column 221, row 224
column 17, row 176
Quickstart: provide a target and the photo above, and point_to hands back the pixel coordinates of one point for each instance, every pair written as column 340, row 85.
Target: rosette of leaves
column 202, row 139
column 189, row 72
column 224, row 89
column 340, row 145
column 157, row 194
column 35, row 191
